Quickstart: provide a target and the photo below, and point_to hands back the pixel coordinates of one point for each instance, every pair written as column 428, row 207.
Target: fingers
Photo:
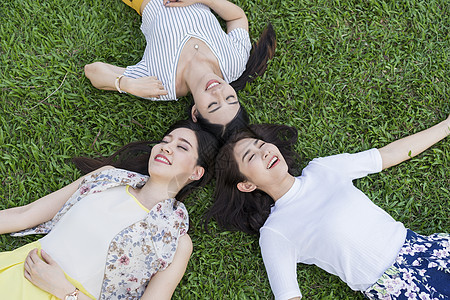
column 47, row 258
column 174, row 3
column 27, row 269
column 161, row 91
column 30, row 261
column 32, row 257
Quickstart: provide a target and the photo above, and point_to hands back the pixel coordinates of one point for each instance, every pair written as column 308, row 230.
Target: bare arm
column 39, row 211
column 410, row 146
column 104, row 77
column 163, row 284
column 230, row 12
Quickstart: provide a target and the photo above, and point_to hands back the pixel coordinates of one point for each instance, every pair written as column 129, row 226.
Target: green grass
column 350, row 75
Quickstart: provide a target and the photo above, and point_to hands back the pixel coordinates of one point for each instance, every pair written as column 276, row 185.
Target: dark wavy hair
column 134, row 157
column 247, row 212
column 223, row 132
column 261, row 52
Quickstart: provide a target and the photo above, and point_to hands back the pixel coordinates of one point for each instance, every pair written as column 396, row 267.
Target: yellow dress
column 135, row 4
column 14, row 285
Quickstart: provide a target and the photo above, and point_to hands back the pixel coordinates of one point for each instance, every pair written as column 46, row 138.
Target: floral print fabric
column 93, row 183
column 140, row 250
column 154, row 242
column 421, row 270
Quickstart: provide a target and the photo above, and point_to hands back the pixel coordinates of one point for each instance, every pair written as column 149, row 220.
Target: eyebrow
column 186, row 141
column 231, row 96
column 246, row 152
column 181, row 139
column 220, row 106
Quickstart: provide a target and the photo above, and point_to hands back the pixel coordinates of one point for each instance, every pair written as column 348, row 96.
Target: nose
column 266, row 153
column 218, row 91
column 166, row 148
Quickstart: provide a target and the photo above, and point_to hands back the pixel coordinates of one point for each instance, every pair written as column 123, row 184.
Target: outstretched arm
column 230, row 12
column 410, row 146
column 105, row 77
column 23, row 217
column 163, row 284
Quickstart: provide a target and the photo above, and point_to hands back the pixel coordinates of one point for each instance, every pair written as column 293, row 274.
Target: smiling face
column 260, row 162
column 175, row 157
column 215, row 100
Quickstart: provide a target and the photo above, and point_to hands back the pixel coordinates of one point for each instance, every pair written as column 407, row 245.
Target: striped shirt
column 167, row 29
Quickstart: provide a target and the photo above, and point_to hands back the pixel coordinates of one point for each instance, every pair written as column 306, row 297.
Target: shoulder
column 363, row 155
column 241, row 37
column 273, row 239
column 180, row 210
column 105, row 168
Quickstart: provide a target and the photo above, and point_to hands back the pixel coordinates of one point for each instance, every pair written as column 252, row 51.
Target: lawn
column 350, row 75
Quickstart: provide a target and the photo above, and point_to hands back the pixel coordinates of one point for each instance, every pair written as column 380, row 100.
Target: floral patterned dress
column 421, row 270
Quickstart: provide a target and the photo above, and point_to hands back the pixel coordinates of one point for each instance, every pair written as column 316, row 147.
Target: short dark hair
column 247, row 212
column 134, row 157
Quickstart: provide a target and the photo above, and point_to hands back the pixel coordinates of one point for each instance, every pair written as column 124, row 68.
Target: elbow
column 244, row 18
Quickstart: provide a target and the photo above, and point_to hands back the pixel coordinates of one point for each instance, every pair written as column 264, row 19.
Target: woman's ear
column 198, row 173
column 194, row 113
column 246, row 186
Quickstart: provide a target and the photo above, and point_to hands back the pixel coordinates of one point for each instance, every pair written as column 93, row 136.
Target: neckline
column 290, row 193
column 136, row 200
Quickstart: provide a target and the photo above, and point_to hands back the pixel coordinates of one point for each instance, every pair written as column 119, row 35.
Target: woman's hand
column 46, row 274
column 229, row 12
column 182, row 3
column 146, row 87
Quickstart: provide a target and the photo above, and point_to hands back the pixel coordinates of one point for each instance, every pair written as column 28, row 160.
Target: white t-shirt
column 326, row 221
column 84, row 233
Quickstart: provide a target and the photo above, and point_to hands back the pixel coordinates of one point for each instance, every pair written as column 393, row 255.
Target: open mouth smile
column 162, row 159
column 273, row 162
column 212, row 83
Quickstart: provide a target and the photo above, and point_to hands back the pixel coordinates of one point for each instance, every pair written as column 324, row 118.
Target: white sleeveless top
column 84, row 233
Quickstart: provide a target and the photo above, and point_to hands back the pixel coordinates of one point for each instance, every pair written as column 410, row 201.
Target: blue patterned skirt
column 421, row 270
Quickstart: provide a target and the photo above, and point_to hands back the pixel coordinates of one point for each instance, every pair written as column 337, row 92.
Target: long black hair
column 261, row 52
column 247, row 212
column 134, row 157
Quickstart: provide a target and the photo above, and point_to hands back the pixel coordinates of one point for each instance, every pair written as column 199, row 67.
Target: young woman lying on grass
column 321, row 218
column 188, row 52
column 114, row 233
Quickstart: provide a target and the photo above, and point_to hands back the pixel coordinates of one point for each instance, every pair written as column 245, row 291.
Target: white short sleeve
column 355, row 165
column 281, row 265
column 241, row 39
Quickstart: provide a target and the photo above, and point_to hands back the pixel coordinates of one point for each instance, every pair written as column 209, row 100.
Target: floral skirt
column 14, row 285
column 421, row 270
